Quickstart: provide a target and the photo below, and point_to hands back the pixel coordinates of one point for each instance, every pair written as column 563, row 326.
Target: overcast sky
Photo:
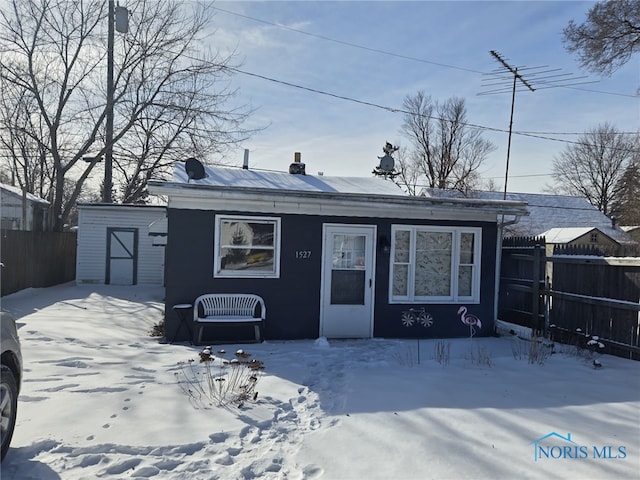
column 374, row 54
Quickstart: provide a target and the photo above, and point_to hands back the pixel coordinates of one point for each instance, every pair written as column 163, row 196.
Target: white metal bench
column 228, row 308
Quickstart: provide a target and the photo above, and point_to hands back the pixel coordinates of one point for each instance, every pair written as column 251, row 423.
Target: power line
column 538, row 135
column 524, row 132
column 399, row 110
column 397, row 55
column 349, row 44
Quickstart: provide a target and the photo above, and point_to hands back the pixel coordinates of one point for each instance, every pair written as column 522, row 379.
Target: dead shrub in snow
column 536, row 350
column 443, row 352
column 157, row 330
column 405, row 358
column 480, row 356
column 539, row 350
column 218, row 381
column 518, row 348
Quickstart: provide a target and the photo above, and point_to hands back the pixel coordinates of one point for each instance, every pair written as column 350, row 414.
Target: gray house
column 633, row 231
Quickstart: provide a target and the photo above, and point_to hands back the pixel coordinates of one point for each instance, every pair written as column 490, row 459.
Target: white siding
column 93, row 221
column 11, row 208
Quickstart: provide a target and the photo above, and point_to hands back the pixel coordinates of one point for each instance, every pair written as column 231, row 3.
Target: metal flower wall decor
column 416, row 317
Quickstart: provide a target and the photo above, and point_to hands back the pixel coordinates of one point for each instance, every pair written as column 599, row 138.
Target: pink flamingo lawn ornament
column 470, row 320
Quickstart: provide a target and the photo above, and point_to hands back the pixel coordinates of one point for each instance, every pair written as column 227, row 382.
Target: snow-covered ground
column 100, row 399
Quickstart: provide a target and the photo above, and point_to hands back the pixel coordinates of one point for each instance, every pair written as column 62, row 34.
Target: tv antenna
column 537, row 78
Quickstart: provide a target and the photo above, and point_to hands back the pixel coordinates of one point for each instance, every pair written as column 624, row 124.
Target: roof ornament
column 386, row 168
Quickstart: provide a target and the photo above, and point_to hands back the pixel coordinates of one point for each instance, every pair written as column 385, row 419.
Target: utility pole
column 108, row 155
column 118, row 20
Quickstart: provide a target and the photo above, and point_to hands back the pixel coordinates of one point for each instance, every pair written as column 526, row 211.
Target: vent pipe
column 245, row 165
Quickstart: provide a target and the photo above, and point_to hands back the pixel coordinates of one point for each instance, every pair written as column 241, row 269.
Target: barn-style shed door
column 347, row 281
column 122, row 256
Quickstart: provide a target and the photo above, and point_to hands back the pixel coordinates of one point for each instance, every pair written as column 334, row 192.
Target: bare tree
column 491, row 185
column 408, row 174
column 609, row 36
column 446, row 153
column 594, row 165
column 170, row 95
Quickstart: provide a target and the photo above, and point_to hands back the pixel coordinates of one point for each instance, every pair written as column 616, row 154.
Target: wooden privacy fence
column 573, row 295
column 522, row 280
column 36, row 259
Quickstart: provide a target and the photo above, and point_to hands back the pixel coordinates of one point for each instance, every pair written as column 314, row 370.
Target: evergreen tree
column 626, row 208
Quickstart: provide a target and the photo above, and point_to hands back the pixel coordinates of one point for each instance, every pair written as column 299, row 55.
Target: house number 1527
column 303, row 254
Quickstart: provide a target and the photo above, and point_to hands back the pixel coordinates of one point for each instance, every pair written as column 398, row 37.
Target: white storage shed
column 116, row 245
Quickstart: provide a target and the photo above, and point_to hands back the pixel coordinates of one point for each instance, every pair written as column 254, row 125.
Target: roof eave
column 499, row 207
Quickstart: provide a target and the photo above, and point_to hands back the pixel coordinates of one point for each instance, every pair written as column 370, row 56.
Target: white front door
column 347, row 281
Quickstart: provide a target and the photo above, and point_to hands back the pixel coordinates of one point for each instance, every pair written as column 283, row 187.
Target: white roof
column 117, row 207
column 241, row 178
column 18, row 192
column 279, row 193
column 566, row 235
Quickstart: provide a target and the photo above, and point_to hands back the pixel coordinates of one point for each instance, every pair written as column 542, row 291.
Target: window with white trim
column 247, row 247
column 435, row 264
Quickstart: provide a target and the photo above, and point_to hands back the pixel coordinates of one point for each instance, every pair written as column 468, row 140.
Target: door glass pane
column 347, row 287
column 348, row 270
column 348, row 252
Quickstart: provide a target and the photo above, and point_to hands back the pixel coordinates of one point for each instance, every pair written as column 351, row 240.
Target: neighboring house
column 334, row 257
column 34, row 216
column 633, row 231
column 117, row 244
column 583, row 236
column 548, row 212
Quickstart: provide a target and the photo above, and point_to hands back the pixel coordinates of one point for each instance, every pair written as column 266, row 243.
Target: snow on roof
column 18, row 192
column 566, row 235
column 549, row 211
column 121, row 206
column 237, row 177
column 297, row 192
